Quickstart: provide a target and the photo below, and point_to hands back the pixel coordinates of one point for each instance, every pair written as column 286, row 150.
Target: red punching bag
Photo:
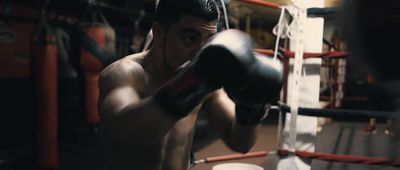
column 44, row 74
column 97, row 51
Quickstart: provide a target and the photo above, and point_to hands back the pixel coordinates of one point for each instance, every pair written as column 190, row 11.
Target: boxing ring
column 318, row 112
column 281, row 108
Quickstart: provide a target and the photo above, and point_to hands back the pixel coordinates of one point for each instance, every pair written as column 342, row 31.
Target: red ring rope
column 334, row 54
column 290, row 54
column 263, row 3
column 309, row 155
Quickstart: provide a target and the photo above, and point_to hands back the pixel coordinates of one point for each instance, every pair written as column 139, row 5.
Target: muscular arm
column 221, row 116
column 130, row 124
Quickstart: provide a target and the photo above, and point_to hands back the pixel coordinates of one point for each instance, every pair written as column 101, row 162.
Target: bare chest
column 179, row 142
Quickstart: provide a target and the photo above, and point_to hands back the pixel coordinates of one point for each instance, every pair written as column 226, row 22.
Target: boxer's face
column 184, row 38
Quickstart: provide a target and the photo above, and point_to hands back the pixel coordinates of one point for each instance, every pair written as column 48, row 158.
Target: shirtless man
column 148, row 112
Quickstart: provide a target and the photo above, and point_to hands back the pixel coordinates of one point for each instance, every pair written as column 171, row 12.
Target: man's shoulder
column 126, row 68
column 126, row 64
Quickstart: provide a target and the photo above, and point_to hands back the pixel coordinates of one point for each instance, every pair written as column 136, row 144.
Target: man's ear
column 158, row 32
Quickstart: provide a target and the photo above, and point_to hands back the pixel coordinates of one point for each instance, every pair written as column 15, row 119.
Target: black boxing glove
column 257, row 90
column 216, row 63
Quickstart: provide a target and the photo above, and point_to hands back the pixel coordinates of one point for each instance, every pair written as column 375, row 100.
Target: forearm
column 241, row 138
column 221, row 112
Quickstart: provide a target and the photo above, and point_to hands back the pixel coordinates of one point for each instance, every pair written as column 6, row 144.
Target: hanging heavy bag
column 44, row 74
column 97, row 51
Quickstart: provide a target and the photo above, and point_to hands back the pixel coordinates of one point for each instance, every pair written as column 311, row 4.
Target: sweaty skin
column 138, row 134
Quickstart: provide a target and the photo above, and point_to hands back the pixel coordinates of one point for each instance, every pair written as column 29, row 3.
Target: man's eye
column 189, row 40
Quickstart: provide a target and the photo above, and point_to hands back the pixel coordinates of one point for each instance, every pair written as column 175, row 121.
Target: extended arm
column 221, row 116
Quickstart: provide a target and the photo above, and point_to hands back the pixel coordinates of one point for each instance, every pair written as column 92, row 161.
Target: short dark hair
column 170, row 11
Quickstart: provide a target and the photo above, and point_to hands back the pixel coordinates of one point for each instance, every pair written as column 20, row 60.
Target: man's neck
column 155, row 65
